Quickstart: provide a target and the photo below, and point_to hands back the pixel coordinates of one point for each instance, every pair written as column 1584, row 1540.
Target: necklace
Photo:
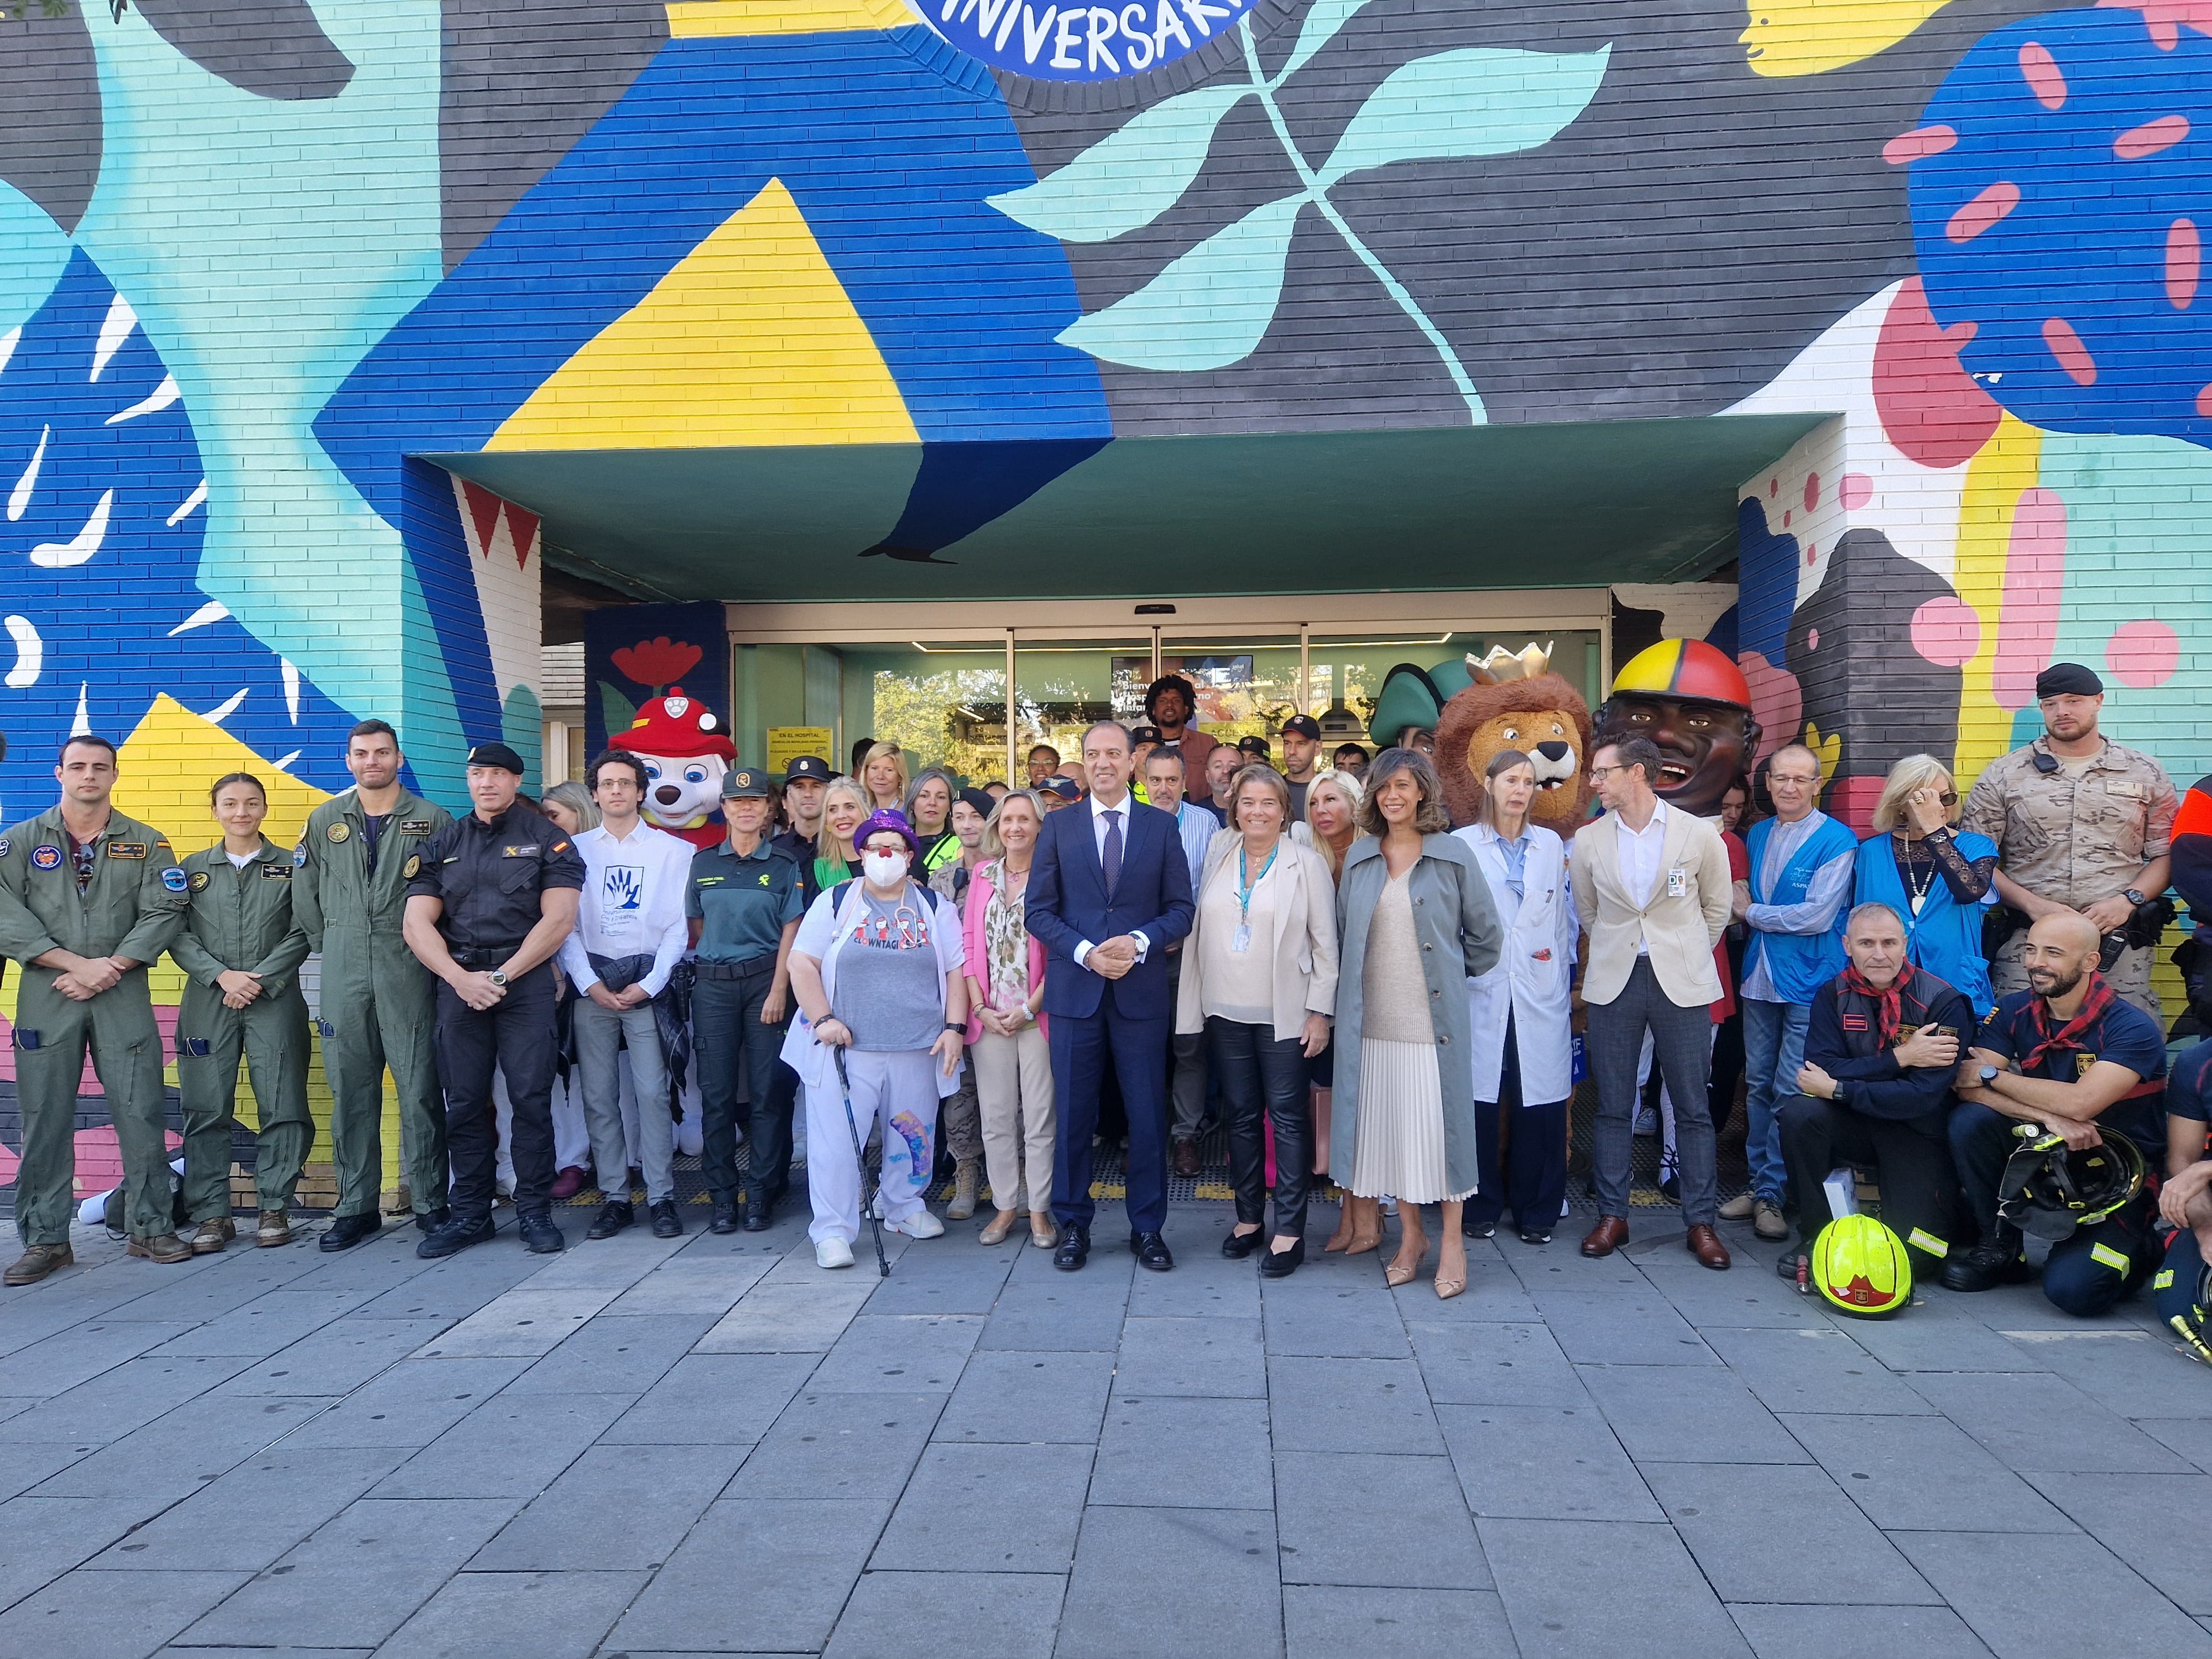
column 1909, row 868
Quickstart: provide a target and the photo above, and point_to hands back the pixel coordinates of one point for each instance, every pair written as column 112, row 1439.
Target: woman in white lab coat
column 1518, row 1029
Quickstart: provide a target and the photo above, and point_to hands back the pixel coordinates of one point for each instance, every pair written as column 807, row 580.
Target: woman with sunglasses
column 1939, row 879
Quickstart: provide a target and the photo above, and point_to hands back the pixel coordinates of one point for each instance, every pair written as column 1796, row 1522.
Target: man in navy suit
column 1108, row 892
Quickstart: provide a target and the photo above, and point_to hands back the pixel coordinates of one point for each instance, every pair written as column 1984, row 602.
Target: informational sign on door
column 786, row 743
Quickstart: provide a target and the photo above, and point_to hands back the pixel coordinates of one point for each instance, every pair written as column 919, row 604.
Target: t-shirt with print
column 889, row 992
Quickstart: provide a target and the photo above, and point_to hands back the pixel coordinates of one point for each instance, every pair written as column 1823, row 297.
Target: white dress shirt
column 1640, row 853
column 632, row 905
column 1099, row 809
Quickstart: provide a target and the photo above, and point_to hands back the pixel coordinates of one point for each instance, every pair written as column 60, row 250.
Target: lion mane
column 1469, row 734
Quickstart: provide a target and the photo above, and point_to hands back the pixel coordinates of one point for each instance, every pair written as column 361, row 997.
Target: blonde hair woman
column 1332, row 822
column 1332, row 825
column 844, row 809
column 1007, row 1036
column 883, row 778
column 1940, row 881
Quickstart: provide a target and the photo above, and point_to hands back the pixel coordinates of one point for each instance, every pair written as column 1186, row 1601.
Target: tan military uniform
column 2075, row 837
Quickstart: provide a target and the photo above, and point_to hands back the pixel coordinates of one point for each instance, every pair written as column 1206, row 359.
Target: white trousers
column 896, row 1091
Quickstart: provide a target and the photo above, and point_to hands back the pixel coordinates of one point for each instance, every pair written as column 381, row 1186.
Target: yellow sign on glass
column 786, row 743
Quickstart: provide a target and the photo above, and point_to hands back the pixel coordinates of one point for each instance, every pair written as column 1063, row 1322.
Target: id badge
column 1241, row 941
column 1678, row 882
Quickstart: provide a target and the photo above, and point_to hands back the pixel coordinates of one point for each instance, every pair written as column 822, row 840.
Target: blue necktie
column 1109, row 860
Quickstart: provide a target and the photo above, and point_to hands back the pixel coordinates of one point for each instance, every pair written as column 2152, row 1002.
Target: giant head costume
column 1515, row 702
column 685, row 753
column 1688, row 698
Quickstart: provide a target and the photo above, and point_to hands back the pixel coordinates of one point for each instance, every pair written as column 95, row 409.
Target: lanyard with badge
column 1241, row 941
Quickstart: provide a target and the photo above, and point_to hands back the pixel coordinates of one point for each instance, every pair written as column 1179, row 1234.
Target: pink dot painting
column 1812, row 639
column 1946, row 632
column 1812, row 490
column 1854, row 491
column 2143, row 655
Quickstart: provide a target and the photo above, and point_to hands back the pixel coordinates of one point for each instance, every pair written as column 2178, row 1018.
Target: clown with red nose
column 685, row 754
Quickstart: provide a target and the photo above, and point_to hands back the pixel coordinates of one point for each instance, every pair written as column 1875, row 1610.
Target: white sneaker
column 833, row 1253
column 1647, row 1120
column 920, row 1225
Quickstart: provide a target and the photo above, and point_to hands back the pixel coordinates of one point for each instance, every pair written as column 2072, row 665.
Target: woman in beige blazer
column 1259, row 976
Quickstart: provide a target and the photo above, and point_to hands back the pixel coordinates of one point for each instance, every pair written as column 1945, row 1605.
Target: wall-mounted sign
column 1052, row 42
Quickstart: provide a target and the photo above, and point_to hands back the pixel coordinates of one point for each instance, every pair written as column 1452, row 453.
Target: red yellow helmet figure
column 1692, row 701
column 1859, row 1268
column 1684, row 669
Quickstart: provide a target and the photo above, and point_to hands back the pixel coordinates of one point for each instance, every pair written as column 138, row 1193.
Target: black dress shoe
column 539, row 1235
column 760, row 1209
column 667, row 1221
column 1075, row 1247
column 430, row 1220
column 1151, row 1252
column 456, row 1235
column 614, row 1215
column 348, row 1231
column 726, row 1216
column 1237, row 1245
column 1985, row 1266
column 1281, row 1264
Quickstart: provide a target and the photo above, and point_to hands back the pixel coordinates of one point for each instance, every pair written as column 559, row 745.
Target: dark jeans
column 2085, row 1275
column 1534, row 1181
column 1913, row 1160
column 515, row 1034
column 732, row 1042
column 1263, row 1077
column 1683, row 1039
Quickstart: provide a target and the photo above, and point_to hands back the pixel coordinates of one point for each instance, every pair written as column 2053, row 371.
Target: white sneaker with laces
column 920, row 1225
column 833, row 1253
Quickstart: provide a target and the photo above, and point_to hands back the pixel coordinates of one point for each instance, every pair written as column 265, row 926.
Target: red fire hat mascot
column 686, row 754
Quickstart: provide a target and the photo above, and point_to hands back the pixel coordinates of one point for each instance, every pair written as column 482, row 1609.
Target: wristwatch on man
column 499, row 976
column 1989, row 1075
column 2134, row 898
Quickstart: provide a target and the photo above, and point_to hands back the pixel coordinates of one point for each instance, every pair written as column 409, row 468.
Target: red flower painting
column 657, row 662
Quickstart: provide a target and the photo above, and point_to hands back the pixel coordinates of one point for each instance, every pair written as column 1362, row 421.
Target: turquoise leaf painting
column 1460, row 104
column 1127, row 180
column 1206, row 310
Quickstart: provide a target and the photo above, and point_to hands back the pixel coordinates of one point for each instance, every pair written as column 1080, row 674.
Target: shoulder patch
column 340, row 831
column 299, row 856
column 276, row 872
column 560, row 846
column 126, row 849
column 6, row 847
column 173, row 879
column 412, row 868
column 527, row 849
column 200, row 881
column 48, row 857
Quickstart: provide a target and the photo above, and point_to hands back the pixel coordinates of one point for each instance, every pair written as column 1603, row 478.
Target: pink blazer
column 980, row 886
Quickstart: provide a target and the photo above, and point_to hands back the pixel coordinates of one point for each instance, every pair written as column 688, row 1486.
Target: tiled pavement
column 710, row 1446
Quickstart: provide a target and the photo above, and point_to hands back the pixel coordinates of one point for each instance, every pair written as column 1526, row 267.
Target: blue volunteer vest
column 1798, row 964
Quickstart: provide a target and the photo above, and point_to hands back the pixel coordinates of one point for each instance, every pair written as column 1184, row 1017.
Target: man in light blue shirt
column 1164, row 785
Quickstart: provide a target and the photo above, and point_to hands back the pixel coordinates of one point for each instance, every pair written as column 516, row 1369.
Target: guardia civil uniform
column 131, row 903
column 349, row 897
column 241, row 918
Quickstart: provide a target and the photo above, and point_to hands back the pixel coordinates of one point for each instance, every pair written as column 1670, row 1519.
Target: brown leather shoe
column 213, row 1236
column 1704, row 1244
column 1186, row 1159
column 276, row 1229
column 37, row 1261
column 164, row 1248
column 1609, row 1236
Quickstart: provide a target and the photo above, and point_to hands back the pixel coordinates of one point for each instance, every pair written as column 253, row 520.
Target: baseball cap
column 1254, row 746
column 746, row 783
column 499, row 755
column 807, row 766
column 1144, row 734
column 1304, row 725
column 1063, row 787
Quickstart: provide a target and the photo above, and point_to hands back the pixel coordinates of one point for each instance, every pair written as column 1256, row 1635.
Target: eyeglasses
column 1598, row 774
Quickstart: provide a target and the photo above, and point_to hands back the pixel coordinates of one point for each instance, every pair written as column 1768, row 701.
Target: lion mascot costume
column 1515, row 702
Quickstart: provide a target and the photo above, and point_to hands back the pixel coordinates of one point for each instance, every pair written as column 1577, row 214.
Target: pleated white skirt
column 1398, row 1151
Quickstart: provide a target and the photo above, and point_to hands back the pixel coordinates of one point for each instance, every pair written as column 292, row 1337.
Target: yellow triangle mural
column 751, row 339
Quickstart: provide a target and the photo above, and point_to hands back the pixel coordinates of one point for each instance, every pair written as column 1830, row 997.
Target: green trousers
column 272, row 1034
column 53, row 1034
column 377, row 1010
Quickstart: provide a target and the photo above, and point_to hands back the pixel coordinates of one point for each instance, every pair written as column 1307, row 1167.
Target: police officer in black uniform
column 489, row 898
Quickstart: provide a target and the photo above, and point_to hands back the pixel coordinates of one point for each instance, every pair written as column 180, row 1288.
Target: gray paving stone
column 614, row 1355
column 516, row 1615
column 2132, row 1373
column 1382, row 1522
column 24, row 1464
column 1016, row 1398
column 1464, row 1362
column 702, row 1287
column 1350, row 1406
column 103, row 1616
column 2113, row 1508
column 1192, row 1564
column 1849, row 1632
column 207, row 1287
column 1924, row 1474
column 1743, row 1296
column 129, row 1396
column 1341, row 1314
column 839, row 1446
column 1495, row 1292
column 1217, row 1359
column 787, row 1317
column 616, row 1507
column 412, row 1404
column 948, row 1280
column 1934, row 1334
column 1205, row 1284
column 1329, row 1621
column 523, row 1322
column 361, row 1573
column 47, row 1536
column 1016, row 1612
column 1065, row 1312
column 2015, row 1591
column 1812, row 1370
column 796, row 1561
column 2014, row 1414
column 899, row 1352
column 514, row 1445
column 1781, row 1532
column 988, row 1509
column 727, row 1399
column 1687, row 1414
column 1621, row 1327
column 2192, row 1438
column 197, row 1652
column 265, row 1324
column 1146, row 1455
column 1550, row 1462
column 338, row 1358
column 1656, row 1604
column 450, row 1290
column 248, row 1518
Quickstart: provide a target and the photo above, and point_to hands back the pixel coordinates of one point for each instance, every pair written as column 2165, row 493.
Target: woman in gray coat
column 1415, row 922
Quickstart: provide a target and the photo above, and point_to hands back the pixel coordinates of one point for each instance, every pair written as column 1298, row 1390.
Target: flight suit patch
column 126, row 849
column 276, row 872
column 6, row 847
column 47, row 858
column 340, row 831
column 412, row 868
column 200, row 881
column 299, row 857
column 415, row 827
column 173, row 879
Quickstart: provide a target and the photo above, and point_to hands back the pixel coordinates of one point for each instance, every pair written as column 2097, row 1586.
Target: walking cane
column 861, row 1163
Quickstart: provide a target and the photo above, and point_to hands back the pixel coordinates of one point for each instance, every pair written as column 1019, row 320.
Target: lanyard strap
column 1245, row 889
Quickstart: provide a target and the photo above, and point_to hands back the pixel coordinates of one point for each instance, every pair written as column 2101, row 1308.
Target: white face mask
column 884, row 869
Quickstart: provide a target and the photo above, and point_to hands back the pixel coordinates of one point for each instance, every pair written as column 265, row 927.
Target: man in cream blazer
column 1653, row 887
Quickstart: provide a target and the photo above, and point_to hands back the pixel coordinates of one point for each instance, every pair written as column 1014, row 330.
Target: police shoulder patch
column 200, row 881
column 340, row 831
column 412, row 868
column 48, row 857
column 173, row 879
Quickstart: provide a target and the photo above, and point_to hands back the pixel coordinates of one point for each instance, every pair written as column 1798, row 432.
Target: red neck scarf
column 2062, row 1041
column 1889, row 1004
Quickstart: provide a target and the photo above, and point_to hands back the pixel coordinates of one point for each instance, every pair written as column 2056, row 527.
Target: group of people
column 1368, row 991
